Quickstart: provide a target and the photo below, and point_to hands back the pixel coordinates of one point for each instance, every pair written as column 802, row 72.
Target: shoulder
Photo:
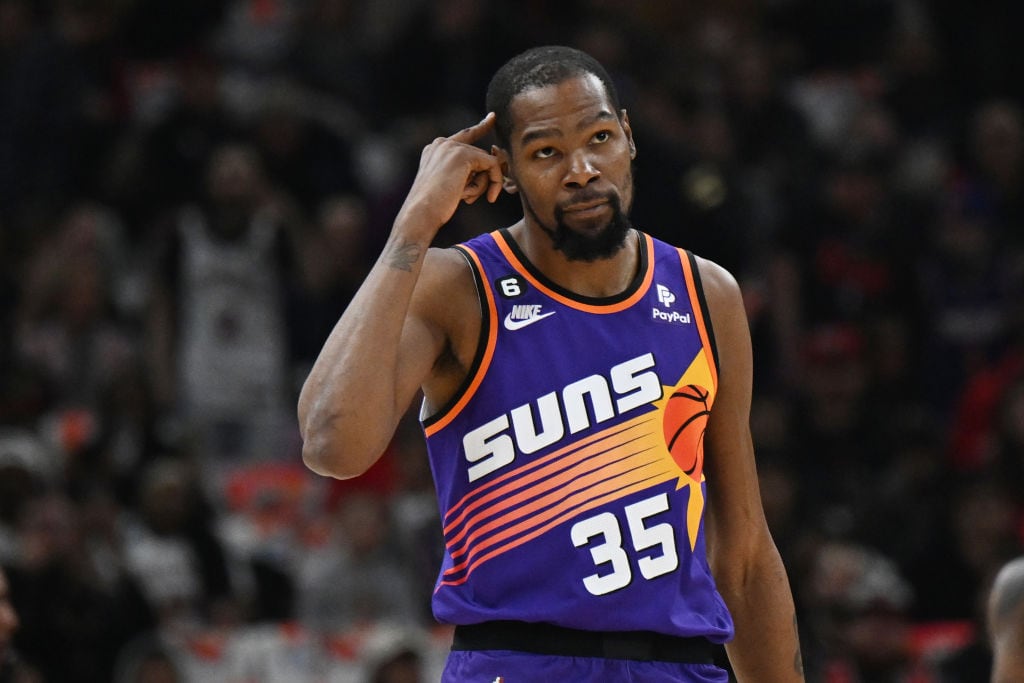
column 721, row 292
column 459, row 265
column 728, row 321
column 721, row 289
column 446, row 292
column 447, row 302
column 446, row 267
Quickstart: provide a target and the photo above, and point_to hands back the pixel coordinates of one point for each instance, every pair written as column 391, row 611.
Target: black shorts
column 516, row 652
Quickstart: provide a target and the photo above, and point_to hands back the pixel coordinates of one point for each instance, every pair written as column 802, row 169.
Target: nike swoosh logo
column 513, row 325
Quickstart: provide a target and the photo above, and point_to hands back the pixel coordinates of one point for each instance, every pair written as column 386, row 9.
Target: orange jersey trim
column 492, row 339
column 698, row 313
column 572, row 303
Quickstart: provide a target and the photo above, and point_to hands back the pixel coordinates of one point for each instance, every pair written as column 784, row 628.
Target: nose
column 581, row 170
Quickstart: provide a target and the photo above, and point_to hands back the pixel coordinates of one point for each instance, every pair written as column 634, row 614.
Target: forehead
column 559, row 108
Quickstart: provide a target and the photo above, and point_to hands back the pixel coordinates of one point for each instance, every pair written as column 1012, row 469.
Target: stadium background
column 858, row 164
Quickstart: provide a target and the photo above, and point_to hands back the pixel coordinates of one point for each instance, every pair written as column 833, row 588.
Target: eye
column 603, row 136
column 544, row 153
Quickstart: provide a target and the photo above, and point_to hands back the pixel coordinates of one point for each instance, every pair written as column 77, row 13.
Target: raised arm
column 388, row 341
column 744, row 560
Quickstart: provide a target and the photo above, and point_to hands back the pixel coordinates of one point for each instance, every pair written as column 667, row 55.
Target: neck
column 598, row 279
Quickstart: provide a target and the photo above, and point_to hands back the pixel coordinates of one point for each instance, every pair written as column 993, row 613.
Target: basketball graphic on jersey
column 684, row 421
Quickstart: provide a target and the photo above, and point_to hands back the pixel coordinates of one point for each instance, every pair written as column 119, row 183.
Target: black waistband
column 547, row 639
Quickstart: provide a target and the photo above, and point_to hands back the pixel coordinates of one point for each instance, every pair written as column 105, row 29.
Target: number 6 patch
column 510, row 286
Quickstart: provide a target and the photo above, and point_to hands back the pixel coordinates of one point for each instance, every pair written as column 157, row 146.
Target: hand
column 453, row 170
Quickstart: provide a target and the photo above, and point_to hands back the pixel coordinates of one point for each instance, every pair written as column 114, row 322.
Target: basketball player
column 580, row 379
column 1006, row 623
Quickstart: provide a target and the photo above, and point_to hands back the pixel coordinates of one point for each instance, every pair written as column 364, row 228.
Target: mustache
column 588, row 195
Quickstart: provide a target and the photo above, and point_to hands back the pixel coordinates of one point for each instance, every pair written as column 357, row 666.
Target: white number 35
column 609, row 551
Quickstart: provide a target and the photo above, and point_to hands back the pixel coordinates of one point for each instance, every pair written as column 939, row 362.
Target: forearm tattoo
column 402, row 255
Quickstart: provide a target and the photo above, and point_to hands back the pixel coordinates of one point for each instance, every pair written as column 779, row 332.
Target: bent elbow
column 330, row 457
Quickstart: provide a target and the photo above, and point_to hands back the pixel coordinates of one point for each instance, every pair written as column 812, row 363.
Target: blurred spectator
column 302, row 154
column 61, row 597
column 171, row 550
column 355, row 576
column 978, row 533
column 968, row 288
column 973, row 444
column 859, row 620
column 996, row 161
column 854, row 246
column 336, row 263
column 836, row 437
column 175, row 149
column 69, row 325
column 273, row 512
column 27, row 470
column 396, row 655
column 132, row 431
column 220, row 345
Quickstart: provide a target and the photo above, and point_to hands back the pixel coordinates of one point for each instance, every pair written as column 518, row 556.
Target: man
column 1006, row 622
column 570, row 371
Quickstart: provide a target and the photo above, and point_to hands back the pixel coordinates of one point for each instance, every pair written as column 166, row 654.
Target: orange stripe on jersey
column 590, row 465
column 503, row 486
column 619, row 463
column 603, row 478
column 567, row 510
column 572, row 303
column 492, row 339
column 698, row 316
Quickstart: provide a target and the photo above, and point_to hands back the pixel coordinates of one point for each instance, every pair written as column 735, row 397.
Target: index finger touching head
column 477, row 131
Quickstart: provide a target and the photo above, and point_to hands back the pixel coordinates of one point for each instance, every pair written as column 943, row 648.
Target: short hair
column 536, row 68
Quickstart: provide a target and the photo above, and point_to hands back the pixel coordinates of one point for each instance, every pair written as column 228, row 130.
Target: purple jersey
column 569, row 467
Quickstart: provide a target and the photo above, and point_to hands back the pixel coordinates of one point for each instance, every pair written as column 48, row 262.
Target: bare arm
column 744, row 560
column 387, row 342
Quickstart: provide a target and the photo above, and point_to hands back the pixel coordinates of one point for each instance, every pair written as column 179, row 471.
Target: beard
column 579, row 246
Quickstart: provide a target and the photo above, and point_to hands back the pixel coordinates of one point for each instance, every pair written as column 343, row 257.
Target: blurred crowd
column 190, row 192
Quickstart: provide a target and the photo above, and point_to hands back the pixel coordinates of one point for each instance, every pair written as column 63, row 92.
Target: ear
column 508, row 183
column 629, row 134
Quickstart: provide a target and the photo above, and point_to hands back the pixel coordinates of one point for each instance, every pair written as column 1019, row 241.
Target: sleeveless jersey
column 233, row 357
column 569, row 466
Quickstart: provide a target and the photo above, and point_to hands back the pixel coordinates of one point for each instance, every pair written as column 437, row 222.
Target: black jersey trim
column 634, row 285
column 481, row 344
column 704, row 311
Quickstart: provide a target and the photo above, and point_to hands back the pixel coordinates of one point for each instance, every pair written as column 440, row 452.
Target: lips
column 580, row 207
